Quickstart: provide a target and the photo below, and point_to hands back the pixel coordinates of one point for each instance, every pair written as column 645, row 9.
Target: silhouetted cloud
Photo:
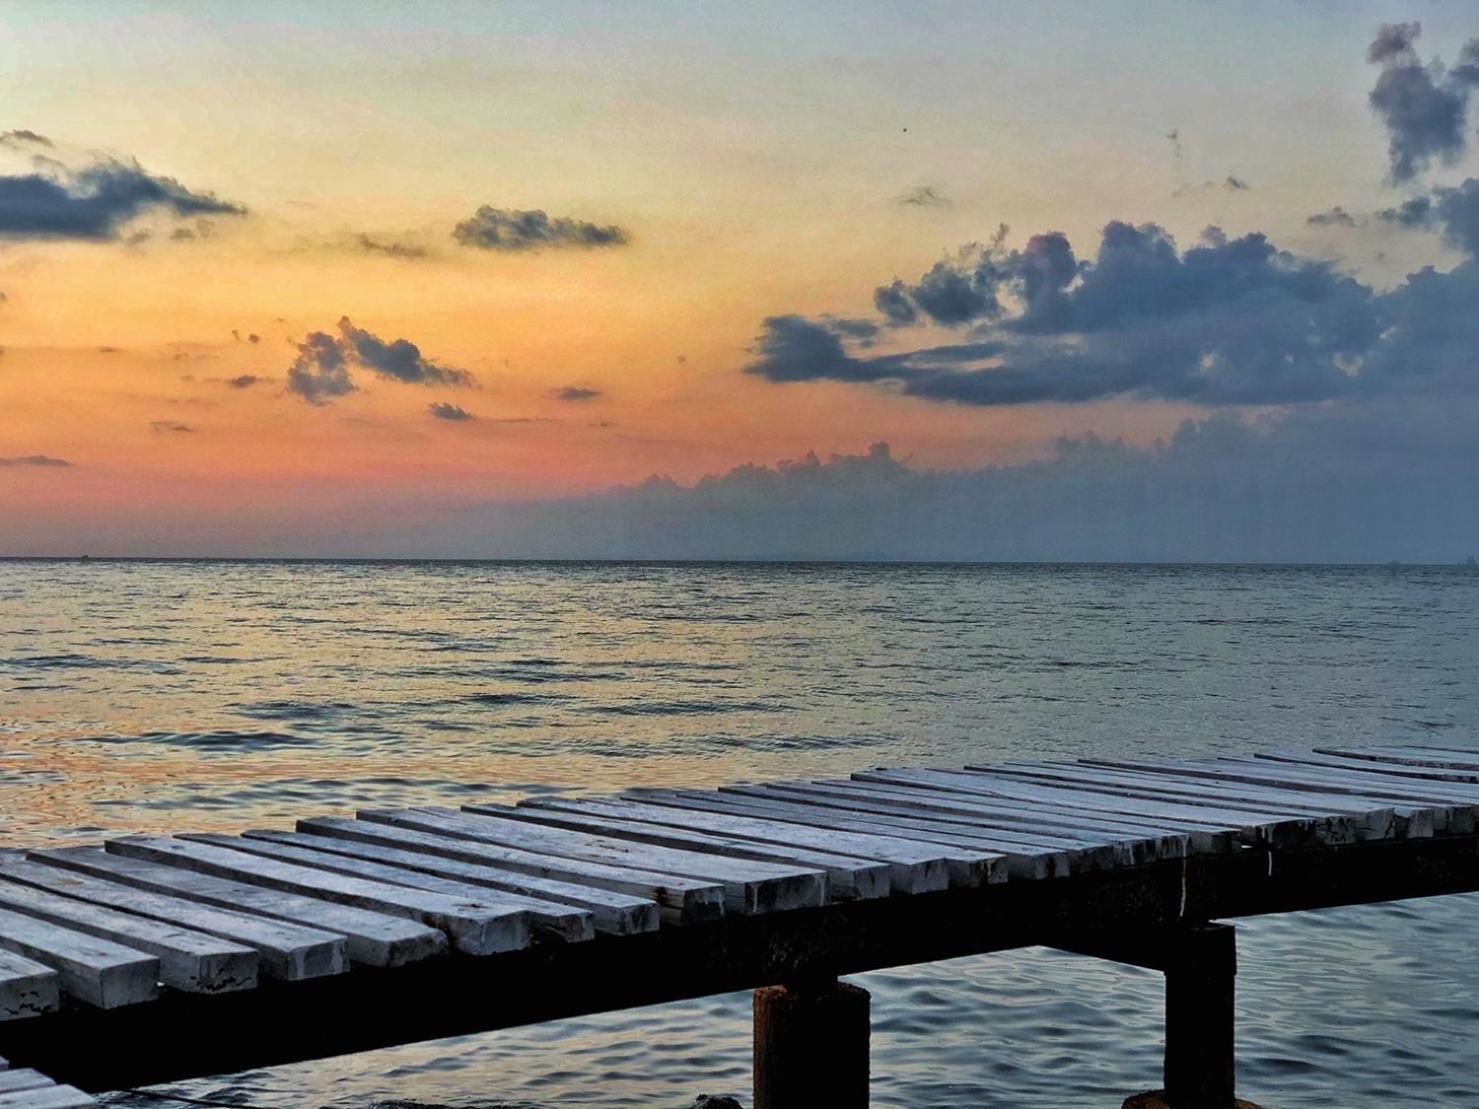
column 1226, row 321
column 1416, row 212
column 244, row 381
column 40, row 460
column 1332, row 217
column 923, row 196
column 94, row 201
column 513, row 229
column 322, row 368
column 576, row 393
column 400, row 359
column 443, row 411
column 1423, row 107
column 171, row 426
column 321, row 371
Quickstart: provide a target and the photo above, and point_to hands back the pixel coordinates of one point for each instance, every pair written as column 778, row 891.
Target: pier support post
column 1200, row 962
column 1199, row 1018
column 811, row 1046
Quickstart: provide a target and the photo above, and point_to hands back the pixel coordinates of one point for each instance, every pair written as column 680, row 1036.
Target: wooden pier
column 150, row 959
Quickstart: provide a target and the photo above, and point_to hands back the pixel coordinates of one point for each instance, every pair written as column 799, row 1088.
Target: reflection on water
column 154, row 696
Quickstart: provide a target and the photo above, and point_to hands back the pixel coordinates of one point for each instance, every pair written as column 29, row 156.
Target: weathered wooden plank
column 1371, row 821
column 748, row 887
column 375, row 939
column 23, row 1079
column 1417, row 757
column 679, row 900
column 1144, row 843
column 1457, row 798
column 1424, row 807
column 848, row 878
column 188, row 961
column 614, row 913
column 1251, row 827
column 1092, row 852
column 1266, row 824
column 284, row 950
column 474, row 927
column 1404, row 819
column 562, row 922
column 99, row 972
column 27, row 989
column 1032, row 813
column 51, row 1097
column 916, row 866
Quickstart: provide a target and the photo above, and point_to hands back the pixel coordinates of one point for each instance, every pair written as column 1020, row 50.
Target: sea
column 220, row 695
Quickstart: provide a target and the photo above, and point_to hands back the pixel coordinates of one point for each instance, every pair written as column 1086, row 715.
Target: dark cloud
column 1332, row 217
column 576, row 393
column 512, row 229
column 95, row 202
column 171, row 426
column 443, row 411
column 390, row 248
column 399, row 360
column 1423, row 107
column 1225, row 321
column 244, row 381
column 322, row 368
column 923, row 196
column 41, row 460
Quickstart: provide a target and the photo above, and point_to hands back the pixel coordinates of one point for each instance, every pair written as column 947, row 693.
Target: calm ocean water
column 221, row 695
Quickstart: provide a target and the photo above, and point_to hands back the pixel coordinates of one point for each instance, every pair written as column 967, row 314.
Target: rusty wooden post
column 811, row 1046
column 1200, row 973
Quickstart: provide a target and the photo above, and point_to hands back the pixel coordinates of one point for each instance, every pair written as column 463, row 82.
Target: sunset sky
column 651, row 238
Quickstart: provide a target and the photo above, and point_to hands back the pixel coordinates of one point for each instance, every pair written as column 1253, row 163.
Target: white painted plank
column 614, row 913
column 287, row 951
column 99, row 972
column 188, row 961
column 1436, row 758
column 562, row 922
column 375, row 939
column 52, row 1097
column 680, row 900
column 475, row 928
column 848, row 878
column 27, row 989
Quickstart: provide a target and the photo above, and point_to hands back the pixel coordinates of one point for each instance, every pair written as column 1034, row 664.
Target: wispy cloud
column 514, row 230
column 40, row 460
column 576, row 393
column 442, row 411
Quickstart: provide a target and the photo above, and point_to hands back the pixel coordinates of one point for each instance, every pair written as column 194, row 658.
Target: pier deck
column 149, row 958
